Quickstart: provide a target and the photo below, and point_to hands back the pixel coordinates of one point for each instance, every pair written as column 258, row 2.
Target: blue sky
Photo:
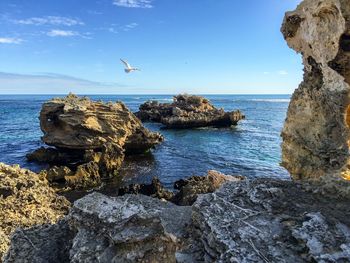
column 194, row 46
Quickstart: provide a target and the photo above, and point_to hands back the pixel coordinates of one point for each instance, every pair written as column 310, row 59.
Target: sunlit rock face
column 316, row 131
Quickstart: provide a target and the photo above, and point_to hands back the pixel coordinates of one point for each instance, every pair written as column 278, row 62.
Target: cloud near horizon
column 10, row 40
column 48, row 83
column 49, row 20
column 134, row 3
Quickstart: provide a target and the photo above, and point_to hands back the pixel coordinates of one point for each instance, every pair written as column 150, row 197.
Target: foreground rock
column 188, row 112
column 316, row 131
column 26, row 200
column 188, row 189
column 244, row 221
column 132, row 228
column 89, row 139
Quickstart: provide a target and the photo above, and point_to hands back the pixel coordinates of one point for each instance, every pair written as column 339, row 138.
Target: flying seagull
column 128, row 68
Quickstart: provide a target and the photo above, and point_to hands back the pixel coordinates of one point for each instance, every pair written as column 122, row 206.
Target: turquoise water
column 251, row 149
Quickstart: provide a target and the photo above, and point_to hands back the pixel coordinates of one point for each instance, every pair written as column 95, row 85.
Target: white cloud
column 282, row 72
column 11, row 83
column 10, row 40
column 129, row 26
column 134, row 3
column 266, row 73
column 61, row 33
column 49, row 20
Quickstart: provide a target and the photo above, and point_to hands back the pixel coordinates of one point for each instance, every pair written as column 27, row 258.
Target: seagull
column 128, row 68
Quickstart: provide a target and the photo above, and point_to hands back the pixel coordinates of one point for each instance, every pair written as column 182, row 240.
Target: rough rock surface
column 244, row 221
column 132, row 228
column 188, row 111
column 271, row 221
column 190, row 188
column 26, row 200
column 316, row 131
column 90, row 139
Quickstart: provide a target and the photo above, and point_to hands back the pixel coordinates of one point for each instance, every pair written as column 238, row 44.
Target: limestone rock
column 89, row 138
column 188, row 111
column 132, row 228
column 26, row 200
column 316, row 131
column 155, row 189
column 190, row 188
column 270, row 221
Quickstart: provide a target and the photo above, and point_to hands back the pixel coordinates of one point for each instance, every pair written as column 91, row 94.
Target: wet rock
column 90, row 138
column 316, row 131
column 188, row 111
column 132, row 228
column 26, row 200
column 190, row 188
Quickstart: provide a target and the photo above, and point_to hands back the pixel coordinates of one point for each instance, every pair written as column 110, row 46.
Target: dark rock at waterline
column 154, row 189
column 189, row 188
column 89, row 139
column 188, row 111
column 263, row 220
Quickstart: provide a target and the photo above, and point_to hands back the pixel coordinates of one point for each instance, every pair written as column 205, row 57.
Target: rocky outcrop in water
column 188, row 189
column 188, row 111
column 245, row 221
column 26, row 200
column 316, row 131
column 89, row 139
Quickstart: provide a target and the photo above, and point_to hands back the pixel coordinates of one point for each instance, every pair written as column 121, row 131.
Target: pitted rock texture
column 188, row 111
column 316, row 131
column 270, row 221
column 26, row 200
column 244, row 221
column 132, row 228
column 89, row 139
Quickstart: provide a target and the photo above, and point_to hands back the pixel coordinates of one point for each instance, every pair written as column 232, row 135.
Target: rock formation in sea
column 88, row 139
column 188, row 111
column 261, row 220
column 316, row 131
column 187, row 189
column 26, row 200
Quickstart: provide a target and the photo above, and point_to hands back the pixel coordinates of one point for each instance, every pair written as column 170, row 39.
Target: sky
column 193, row 46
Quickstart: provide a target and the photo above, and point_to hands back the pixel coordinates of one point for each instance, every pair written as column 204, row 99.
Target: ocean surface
column 251, row 149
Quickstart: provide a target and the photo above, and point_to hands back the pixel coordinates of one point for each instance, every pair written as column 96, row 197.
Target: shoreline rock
column 188, row 111
column 88, row 140
column 243, row 221
column 26, row 200
column 316, row 131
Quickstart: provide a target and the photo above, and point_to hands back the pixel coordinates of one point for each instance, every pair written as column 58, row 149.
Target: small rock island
column 88, row 139
column 188, row 111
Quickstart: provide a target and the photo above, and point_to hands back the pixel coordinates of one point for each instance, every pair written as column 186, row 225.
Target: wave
column 265, row 100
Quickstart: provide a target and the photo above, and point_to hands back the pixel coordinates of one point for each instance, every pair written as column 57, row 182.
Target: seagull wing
column 127, row 65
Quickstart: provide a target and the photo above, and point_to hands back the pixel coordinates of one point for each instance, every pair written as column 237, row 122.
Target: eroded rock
column 188, row 111
column 132, row 228
column 89, row 139
column 316, row 131
column 26, row 200
column 190, row 188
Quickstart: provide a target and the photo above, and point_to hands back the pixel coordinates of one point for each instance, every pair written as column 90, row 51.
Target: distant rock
column 26, row 200
column 316, row 132
column 188, row 111
column 89, row 139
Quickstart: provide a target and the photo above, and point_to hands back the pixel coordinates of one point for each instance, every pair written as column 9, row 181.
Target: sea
column 251, row 149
